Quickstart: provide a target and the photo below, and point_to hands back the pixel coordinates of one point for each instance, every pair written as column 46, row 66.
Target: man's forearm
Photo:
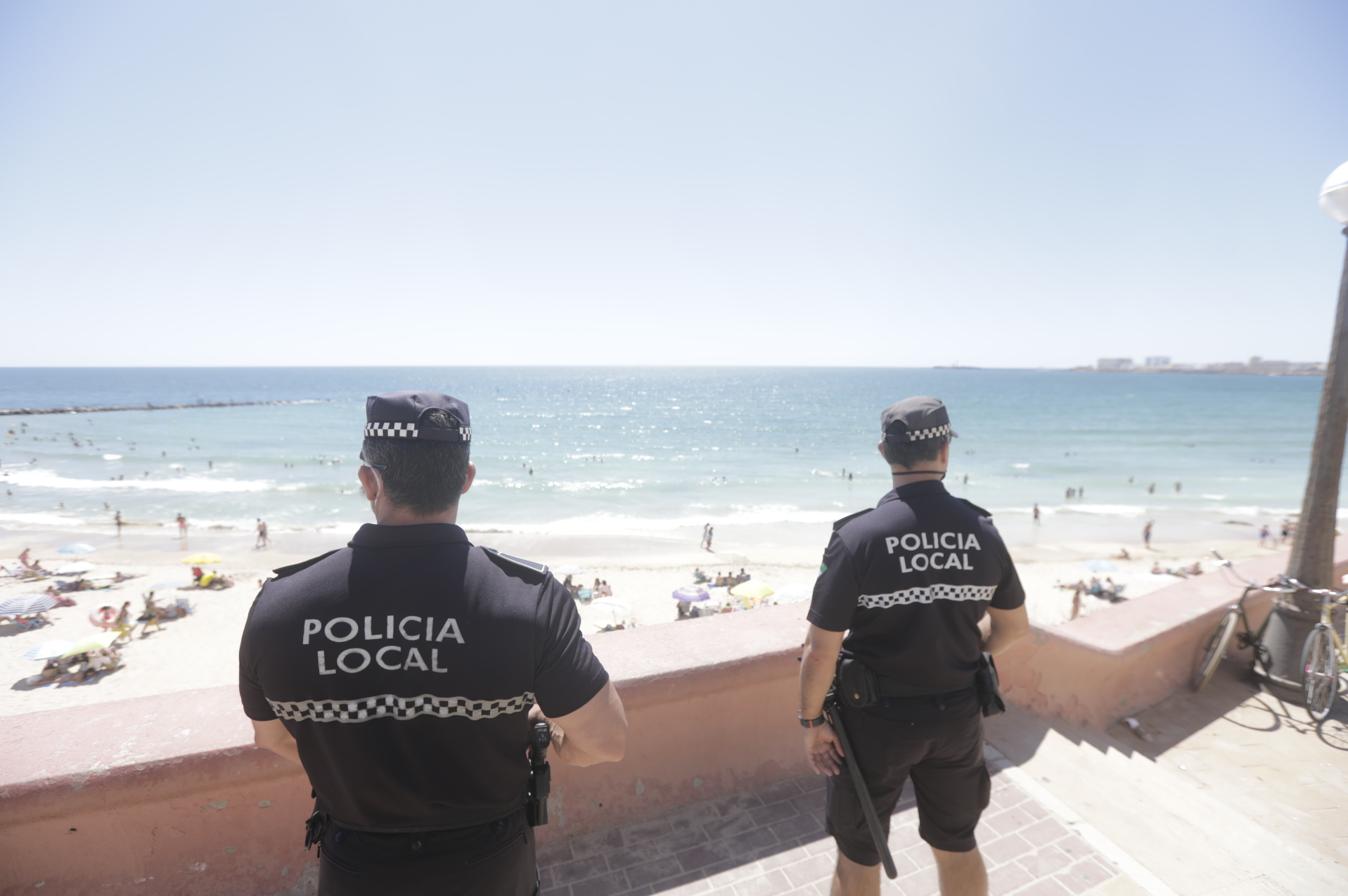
column 816, row 675
column 1000, row 639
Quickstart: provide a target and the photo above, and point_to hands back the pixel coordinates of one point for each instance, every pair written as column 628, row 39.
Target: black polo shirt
column 909, row 582
column 405, row 665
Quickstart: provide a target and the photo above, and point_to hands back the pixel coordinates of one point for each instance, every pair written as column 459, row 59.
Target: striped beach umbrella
column 691, row 594
column 26, row 604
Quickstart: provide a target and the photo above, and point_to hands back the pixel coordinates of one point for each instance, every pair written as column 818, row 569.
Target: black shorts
column 943, row 756
column 496, row 858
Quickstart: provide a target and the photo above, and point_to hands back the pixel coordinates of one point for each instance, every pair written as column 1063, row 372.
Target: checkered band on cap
column 391, row 706
column 934, row 432
column 410, row 431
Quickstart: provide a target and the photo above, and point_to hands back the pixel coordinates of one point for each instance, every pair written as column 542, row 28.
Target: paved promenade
column 772, row 843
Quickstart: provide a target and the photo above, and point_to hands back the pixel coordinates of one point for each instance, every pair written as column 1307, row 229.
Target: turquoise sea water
column 652, row 448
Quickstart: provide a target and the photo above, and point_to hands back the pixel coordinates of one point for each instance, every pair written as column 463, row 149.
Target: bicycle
column 1215, row 646
column 1323, row 656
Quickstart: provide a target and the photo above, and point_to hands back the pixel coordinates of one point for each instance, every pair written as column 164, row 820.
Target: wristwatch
column 816, row 722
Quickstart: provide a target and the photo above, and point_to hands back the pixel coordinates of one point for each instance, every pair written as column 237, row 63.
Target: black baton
column 859, row 785
column 540, row 774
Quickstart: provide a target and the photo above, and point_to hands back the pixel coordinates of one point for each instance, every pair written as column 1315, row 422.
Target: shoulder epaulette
column 515, row 565
column 282, row 571
column 838, row 524
column 981, row 511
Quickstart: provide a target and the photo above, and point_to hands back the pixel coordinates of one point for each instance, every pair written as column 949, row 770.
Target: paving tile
column 1012, row 820
column 771, row 883
column 1044, row 862
column 1045, row 831
column 1074, row 846
column 798, row 826
column 555, row 891
column 785, row 856
column 1006, row 878
column 604, row 885
column 922, row 882
column 693, row 887
column 1083, row 875
column 722, row 826
column 1047, row 887
column 692, row 817
column 596, row 843
column 772, row 812
column 735, row 846
column 1004, row 849
column 658, row 869
column 579, row 869
column 809, row 870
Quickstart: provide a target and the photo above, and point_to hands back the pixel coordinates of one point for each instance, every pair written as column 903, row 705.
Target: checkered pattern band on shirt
column 925, row 594
column 406, row 431
column 919, row 435
column 391, row 706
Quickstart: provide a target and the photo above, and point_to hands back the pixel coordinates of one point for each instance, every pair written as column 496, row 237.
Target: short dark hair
column 909, row 454
column 423, row 476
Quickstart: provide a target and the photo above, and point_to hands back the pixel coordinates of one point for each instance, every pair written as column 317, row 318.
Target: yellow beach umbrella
column 752, row 590
column 201, row 559
column 100, row 641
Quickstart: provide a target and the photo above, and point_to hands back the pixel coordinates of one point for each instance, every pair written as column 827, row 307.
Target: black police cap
column 400, row 415
column 915, row 420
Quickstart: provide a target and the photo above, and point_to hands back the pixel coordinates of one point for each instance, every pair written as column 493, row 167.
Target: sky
column 1012, row 184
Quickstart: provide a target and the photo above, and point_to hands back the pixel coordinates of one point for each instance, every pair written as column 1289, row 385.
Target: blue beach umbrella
column 691, row 594
column 76, row 548
column 26, row 605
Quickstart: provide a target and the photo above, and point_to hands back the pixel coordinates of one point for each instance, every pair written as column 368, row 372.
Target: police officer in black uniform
column 404, row 670
column 902, row 595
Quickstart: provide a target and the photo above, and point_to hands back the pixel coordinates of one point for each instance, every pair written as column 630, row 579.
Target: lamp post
column 1312, row 559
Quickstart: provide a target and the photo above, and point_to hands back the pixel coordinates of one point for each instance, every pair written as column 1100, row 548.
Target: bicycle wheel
column 1214, row 649
column 1320, row 672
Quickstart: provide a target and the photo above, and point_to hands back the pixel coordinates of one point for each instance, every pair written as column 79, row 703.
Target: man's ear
column 468, row 479
column 369, row 482
column 945, row 454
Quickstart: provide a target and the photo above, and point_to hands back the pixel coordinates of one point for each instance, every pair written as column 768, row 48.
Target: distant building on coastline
column 1256, row 365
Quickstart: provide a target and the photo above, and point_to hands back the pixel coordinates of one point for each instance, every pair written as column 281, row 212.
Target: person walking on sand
column 182, row 526
column 1036, row 514
column 262, row 540
column 117, row 520
column 710, row 533
column 1146, row 534
column 706, row 535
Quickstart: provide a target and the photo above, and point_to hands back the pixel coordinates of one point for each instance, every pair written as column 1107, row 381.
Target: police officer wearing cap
column 898, row 614
column 403, row 673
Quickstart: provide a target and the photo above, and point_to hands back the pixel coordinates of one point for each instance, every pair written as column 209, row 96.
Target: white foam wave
column 39, row 478
column 1129, row 510
column 112, row 457
column 1021, row 466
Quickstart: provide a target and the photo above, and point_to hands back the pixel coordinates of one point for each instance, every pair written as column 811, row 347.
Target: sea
column 595, row 450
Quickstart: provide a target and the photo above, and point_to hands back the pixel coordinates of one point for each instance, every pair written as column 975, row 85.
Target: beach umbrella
column 609, row 609
column 77, row 568
column 47, row 650
column 752, row 590
column 1101, row 566
column 202, row 559
column 691, row 593
column 26, row 605
column 99, row 641
column 76, row 548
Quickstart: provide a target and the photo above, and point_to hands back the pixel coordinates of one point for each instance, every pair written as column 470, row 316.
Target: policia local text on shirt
column 902, row 596
column 404, row 670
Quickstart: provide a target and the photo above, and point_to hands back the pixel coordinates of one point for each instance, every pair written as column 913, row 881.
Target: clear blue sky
column 995, row 183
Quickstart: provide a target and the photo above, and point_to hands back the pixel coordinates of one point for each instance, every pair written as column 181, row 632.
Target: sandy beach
column 199, row 650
